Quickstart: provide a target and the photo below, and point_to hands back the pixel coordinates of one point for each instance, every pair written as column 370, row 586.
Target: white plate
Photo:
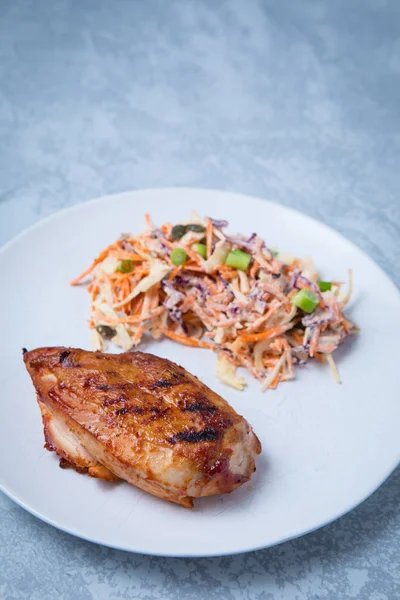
column 326, row 447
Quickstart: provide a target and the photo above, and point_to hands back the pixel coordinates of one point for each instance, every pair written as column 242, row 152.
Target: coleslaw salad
column 257, row 308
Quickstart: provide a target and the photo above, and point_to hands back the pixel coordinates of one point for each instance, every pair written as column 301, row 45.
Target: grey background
column 292, row 101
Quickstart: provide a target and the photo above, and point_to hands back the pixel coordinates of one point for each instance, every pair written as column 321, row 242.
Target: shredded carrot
column 196, row 258
column 166, row 229
column 94, row 292
column 137, row 304
column 270, row 362
column 191, row 318
column 297, row 336
column 148, row 221
column 175, row 272
column 187, row 341
column 135, row 320
column 194, row 268
column 261, row 320
column 142, row 272
column 94, row 264
column 139, row 246
column 265, row 335
column 226, row 272
column 290, row 268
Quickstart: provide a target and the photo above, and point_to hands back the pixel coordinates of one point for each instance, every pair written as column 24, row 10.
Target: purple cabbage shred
column 318, row 318
column 218, row 223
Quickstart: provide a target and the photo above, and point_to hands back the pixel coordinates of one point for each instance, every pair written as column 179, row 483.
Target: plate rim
column 238, row 195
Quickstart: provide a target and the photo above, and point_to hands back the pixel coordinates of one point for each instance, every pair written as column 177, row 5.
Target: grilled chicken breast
column 141, row 418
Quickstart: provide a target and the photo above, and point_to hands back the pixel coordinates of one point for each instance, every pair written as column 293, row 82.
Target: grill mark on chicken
column 162, row 383
column 192, row 403
column 197, row 404
column 193, row 437
column 106, row 387
column 214, row 421
column 136, row 410
column 169, row 378
column 146, row 420
column 199, row 408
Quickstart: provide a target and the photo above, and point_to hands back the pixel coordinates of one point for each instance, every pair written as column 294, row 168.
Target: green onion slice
column 238, row 259
column 325, row 286
column 305, row 300
column 125, row 266
column 200, row 249
column 178, row 256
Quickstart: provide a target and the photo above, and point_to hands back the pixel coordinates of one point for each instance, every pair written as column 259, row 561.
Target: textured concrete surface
column 292, row 101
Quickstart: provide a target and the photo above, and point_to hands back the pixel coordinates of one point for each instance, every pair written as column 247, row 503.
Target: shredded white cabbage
column 328, row 297
column 218, row 257
column 289, row 316
column 234, row 285
column 307, row 336
column 267, row 382
column 244, row 282
column 350, row 289
column 334, row 370
column 219, row 335
column 96, row 341
column 191, row 237
column 308, row 269
column 122, row 338
column 285, row 258
column 109, row 264
column 105, row 292
column 104, row 307
column 196, row 219
column 258, row 351
column 156, row 333
column 219, row 234
column 226, row 372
